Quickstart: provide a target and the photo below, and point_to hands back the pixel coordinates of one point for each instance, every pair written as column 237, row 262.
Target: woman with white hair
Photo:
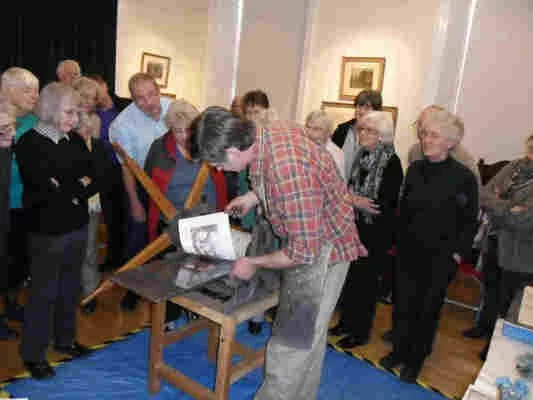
column 437, row 224
column 374, row 181
column 169, row 165
column 57, row 183
column 21, row 90
column 319, row 127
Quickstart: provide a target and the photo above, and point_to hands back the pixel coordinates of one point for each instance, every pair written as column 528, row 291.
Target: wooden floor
column 452, row 366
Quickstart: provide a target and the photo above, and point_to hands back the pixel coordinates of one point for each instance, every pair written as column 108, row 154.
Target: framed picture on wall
column 360, row 73
column 157, row 66
column 169, row 95
column 340, row 111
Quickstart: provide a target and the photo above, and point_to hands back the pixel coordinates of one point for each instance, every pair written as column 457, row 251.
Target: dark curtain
column 37, row 36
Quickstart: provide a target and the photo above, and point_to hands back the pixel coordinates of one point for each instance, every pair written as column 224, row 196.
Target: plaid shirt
column 307, row 200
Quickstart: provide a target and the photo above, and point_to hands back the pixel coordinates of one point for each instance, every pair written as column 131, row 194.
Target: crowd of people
column 344, row 210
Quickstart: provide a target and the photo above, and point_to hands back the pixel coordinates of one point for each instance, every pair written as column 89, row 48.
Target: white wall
column 222, row 43
column 497, row 94
column 271, row 49
column 400, row 31
column 173, row 28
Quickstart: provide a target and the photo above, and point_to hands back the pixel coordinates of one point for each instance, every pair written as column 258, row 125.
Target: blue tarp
column 119, row 371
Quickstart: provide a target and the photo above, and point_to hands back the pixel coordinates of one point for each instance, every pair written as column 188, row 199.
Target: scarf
column 373, row 163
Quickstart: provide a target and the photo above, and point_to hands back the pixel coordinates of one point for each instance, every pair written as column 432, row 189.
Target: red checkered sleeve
column 298, row 208
column 307, row 200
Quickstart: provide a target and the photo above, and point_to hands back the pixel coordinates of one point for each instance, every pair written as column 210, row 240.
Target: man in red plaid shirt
column 303, row 196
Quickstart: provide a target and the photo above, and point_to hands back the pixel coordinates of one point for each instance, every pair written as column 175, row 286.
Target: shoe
column 129, row 301
column 338, row 330
column 170, row 326
column 15, row 313
column 254, row 327
column 387, row 336
column 89, row 308
column 39, row 369
column 6, row 333
column 409, row 373
column 477, row 332
column 351, row 341
column 74, row 350
column 390, row 361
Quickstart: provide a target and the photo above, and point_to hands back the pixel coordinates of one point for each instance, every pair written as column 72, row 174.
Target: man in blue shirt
column 135, row 129
column 21, row 90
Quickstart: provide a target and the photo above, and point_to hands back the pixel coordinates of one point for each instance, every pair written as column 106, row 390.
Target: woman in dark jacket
column 437, row 223
column 374, row 181
column 57, row 182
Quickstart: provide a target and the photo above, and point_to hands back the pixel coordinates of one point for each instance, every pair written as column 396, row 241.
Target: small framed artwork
column 156, row 66
column 169, row 95
column 340, row 111
column 360, row 73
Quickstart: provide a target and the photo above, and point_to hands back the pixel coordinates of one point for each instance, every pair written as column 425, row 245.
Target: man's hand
column 365, row 204
column 457, row 258
column 240, row 206
column 137, row 211
column 243, row 269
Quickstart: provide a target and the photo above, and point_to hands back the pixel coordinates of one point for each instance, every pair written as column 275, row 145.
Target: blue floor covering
column 119, row 371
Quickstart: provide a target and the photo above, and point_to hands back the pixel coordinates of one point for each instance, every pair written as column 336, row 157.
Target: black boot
column 390, row 361
column 410, row 372
column 255, row 327
column 477, row 332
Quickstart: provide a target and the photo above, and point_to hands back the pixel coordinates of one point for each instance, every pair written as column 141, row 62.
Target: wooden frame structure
column 221, row 344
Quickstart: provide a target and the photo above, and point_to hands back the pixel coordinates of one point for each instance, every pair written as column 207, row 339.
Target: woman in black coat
column 374, row 180
column 57, row 182
column 437, row 223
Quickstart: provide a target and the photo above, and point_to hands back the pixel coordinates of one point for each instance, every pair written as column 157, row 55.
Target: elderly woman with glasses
column 169, row 165
column 57, row 180
column 374, row 181
column 437, row 224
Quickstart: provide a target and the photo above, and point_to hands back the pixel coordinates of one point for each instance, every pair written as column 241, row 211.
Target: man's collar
column 50, row 132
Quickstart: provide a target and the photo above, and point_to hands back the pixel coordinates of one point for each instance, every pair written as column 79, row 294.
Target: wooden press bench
column 221, row 343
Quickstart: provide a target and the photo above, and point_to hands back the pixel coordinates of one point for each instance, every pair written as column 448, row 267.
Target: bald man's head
column 67, row 71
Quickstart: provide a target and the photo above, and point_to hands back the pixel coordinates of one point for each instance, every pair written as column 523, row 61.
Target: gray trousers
column 90, row 276
column 294, row 374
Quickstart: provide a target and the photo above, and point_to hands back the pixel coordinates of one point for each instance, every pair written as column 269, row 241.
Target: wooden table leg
column 157, row 336
column 225, row 347
column 212, row 341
